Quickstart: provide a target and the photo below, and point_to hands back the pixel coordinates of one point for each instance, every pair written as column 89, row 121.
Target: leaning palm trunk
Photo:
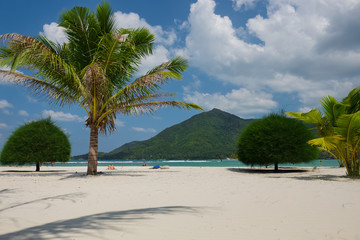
column 352, row 164
column 95, row 69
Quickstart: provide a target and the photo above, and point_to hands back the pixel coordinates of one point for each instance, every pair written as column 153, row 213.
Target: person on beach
column 111, row 167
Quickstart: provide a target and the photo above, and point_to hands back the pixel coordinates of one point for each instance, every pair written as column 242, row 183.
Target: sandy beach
column 178, row 203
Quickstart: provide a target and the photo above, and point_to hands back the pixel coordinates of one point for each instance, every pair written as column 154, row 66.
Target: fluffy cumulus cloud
column 242, row 101
column 63, row 117
column 3, row 125
column 308, row 45
column 146, row 130
column 54, row 32
column 5, row 104
column 23, row 113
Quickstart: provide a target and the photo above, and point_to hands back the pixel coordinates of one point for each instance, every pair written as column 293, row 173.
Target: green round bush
column 36, row 142
column 276, row 139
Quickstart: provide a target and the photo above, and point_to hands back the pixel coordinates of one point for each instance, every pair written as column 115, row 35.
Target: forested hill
column 208, row 135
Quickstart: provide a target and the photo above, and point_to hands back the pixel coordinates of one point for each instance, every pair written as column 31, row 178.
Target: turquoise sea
column 193, row 163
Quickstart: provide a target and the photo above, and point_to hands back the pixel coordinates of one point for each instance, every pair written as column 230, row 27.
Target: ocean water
column 193, row 163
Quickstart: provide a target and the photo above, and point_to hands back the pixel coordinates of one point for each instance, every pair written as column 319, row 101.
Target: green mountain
column 208, row 135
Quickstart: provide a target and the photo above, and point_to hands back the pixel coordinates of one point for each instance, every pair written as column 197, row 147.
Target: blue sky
column 247, row 57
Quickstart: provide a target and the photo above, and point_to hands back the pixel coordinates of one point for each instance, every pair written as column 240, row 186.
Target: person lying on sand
column 111, row 167
column 159, row 167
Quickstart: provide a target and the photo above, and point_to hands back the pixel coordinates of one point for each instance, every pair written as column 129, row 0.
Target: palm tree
column 344, row 144
column 339, row 129
column 95, row 69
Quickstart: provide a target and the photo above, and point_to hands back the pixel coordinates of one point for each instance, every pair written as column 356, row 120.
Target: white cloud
column 313, row 43
column 147, row 130
column 160, row 55
column 238, row 4
column 310, row 92
column 162, row 38
column 23, row 113
column 61, row 116
column 242, row 102
column 119, row 123
column 66, row 131
column 5, row 104
column 54, row 32
column 6, row 78
column 31, row 99
column 7, row 112
column 305, row 109
column 195, row 84
column 3, row 125
column 133, row 20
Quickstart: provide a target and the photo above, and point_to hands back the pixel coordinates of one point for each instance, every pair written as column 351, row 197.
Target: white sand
column 178, row 203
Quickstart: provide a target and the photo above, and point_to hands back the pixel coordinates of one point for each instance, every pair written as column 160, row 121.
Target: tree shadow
column 65, row 197
column 326, row 177
column 6, row 190
column 64, row 174
column 25, row 173
column 127, row 173
column 267, row 170
column 30, row 171
column 103, row 174
column 65, row 229
column 281, row 173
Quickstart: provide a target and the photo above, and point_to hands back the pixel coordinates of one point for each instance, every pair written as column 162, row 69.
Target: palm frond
column 141, row 40
column 330, row 144
column 171, row 69
column 312, row 117
column 143, row 107
column 151, row 82
column 105, row 17
column 40, row 55
column 39, row 87
column 151, row 107
column 332, row 108
column 353, row 100
column 112, row 54
column 83, row 33
column 348, row 125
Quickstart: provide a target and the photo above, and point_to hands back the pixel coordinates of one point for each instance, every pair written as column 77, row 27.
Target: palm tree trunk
column 93, row 151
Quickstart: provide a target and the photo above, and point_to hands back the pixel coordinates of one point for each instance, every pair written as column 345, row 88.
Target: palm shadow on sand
column 114, row 221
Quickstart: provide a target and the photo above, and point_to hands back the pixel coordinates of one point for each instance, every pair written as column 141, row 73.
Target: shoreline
column 188, row 163
column 178, row 203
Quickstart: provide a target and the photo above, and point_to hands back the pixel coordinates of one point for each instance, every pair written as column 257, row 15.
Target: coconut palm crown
column 96, row 69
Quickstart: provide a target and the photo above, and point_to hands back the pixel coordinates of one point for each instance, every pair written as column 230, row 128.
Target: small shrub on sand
column 36, row 142
column 276, row 139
